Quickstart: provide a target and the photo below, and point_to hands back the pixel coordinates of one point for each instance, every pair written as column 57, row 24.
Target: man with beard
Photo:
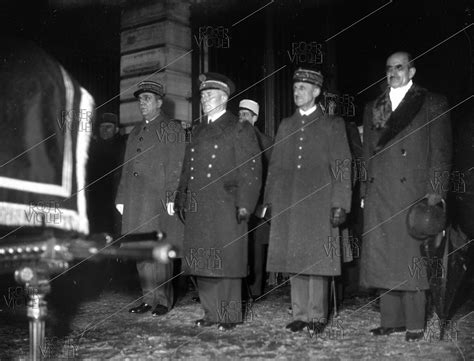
column 407, row 142
column 222, row 175
column 152, row 164
column 259, row 230
column 309, row 191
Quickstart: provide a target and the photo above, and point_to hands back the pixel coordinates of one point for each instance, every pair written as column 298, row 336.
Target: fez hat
column 109, row 118
column 249, row 105
column 149, row 87
column 216, row 81
column 308, row 76
column 425, row 221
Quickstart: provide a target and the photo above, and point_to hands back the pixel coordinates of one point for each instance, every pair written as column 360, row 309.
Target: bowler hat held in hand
column 425, row 220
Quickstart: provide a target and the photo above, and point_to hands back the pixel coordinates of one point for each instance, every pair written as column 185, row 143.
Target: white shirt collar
column 309, row 111
column 211, row 119
column 397, row 94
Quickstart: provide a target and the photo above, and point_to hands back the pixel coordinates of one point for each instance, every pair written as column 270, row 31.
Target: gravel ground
column 113, row 333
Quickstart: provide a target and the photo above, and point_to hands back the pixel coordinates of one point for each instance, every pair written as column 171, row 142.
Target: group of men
column 205, row 194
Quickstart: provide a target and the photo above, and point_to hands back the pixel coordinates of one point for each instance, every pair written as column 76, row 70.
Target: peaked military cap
column 150, row 87
column 216, row 81
column 249, row 105
column 308, row 76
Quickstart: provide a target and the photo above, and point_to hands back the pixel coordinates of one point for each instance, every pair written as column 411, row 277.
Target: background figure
column 407, row 142
column 104, row 168
column 153, row 161
column 309, row 190
column 259, row 230
column 222, row 176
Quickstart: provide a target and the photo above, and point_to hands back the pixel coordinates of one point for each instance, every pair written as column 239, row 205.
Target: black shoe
column 296, row 326
column 316, row 327
column 144, row 307
column 226, row 326
column 413, row 336
column 204, row 323
column 160, row 310
column 384, row 331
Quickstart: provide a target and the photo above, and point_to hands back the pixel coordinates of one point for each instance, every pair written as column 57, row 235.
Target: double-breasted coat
column 221, row 172
column 400, row 172
column 150, row 175
column 309, row 174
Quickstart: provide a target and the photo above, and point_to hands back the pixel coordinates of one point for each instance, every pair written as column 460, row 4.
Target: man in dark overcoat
column 222, row 176
column 309, row 191
column 259, row 230
column 150, row 175
column 407, row 143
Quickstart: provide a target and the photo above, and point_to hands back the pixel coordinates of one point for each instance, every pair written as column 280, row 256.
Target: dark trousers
column 221, row 299
column 309, row 298
column 403, row 309
column 154, row 280
column 258, row 243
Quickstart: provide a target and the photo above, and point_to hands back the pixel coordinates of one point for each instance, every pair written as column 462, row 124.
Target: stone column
column 156, row 45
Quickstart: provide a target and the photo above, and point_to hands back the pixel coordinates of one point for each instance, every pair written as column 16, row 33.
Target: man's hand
column 362, row 202
column 180, row 212
column 338, row 216
column 119, row 208
column 242, row 215
column 170, row 208
column 433, row 199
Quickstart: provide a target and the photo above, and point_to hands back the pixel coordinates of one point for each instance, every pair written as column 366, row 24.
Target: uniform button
column 140, row 139
column 300, row 148
column 192, row 168
column 208, row 175
column 253, row 160
column 302, row 121
column 404, row 152
column 299, row 157
column 192, row 159
column 301, row 138
column 215, row 146
column 192, row 149
column 138, row 150
column 192, row 177
column 302, row 129
column 135, row 174
column 251, row 168
column 213, row 156
column 210, row 165
column 403, row 179
column 298, row 166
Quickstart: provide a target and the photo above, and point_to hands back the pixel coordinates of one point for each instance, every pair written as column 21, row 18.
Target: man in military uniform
column 407, row 142
column 222, row 174
column 309, row 193
column 152, row 164
column 259, row 230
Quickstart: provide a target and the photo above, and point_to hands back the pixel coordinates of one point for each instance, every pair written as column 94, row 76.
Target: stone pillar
column 156, row 45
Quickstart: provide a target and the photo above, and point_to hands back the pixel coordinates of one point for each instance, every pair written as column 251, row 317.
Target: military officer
column 259, row 230
column 309, row 195
column 150, row 175
column 407, row 141
column 222, row 174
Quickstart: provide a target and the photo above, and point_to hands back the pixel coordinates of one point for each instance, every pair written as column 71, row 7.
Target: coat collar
column 402, row 116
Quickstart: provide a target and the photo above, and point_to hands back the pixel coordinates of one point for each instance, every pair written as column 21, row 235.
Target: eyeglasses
column 397, row 67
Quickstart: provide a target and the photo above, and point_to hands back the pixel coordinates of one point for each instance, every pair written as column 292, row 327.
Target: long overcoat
column 150, row 175
column 221, row 172
column 400, row 172
column 309, row 174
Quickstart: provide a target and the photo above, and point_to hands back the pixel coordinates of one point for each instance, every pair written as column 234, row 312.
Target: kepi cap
column 149, row 86
column 216, row 81
column 249, row 105
column 308, row 76
column 109, row 118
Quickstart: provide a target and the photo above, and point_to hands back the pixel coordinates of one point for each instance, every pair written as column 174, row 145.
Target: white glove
column 170, row 208
column 362, row 203
column 119, row 208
